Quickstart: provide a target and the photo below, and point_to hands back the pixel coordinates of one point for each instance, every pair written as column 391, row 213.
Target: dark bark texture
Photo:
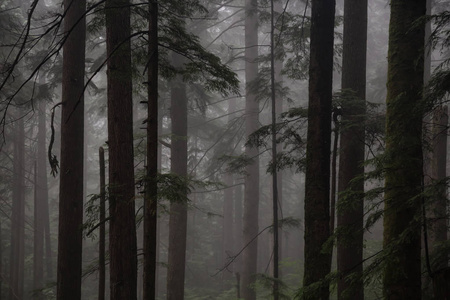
column 72, row 132
column 404, row 166
column 317, row 184
column 102, row 237
column 151, row 191
column 122, row 227
column 351, row 154
column 438, row 213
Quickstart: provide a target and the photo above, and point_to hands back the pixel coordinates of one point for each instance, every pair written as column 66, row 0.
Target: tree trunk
column 47, row 237
column 251, row 192
column 275, row 203
column 228, row 245
column 238, row 230
column 317, row 184
column 227, row 233
column 158, row 228
column 38, row 243
column 72, row 133
column 351, row 155
column 42, row 186
column 438, row 211
column 178, row 210
column 41, row 200
column 122, row 226
column 18, row 215
column 101, row 244
column 151, row 191
column 278, row 8
column 404, row 166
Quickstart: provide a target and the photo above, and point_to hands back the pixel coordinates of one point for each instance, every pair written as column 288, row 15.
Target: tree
column 278, row 67
column 122, row 226
column 43, row 191
column 251, row 188
column 435, row 158
column 438, row 211
column 102, row 235
column 351, row 154
column 151, row 196
column 317, row 182
column 41, row 197
column 404, row 166
column 72, row 132
column 275, row 185
column 178, row 209
column 228, row 244
column 17, row 262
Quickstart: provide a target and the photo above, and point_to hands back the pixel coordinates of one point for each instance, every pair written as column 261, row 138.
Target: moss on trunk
column 404, row 170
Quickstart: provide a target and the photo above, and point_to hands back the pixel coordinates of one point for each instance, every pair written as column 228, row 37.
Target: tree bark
column 351, row 155
column 101, row 247
column 317, row 183
column 275, row 203
column 38, row 241
column 404, row 165
column 122, row 226
column 438, row 211
column 178, row 210
column 227, row 231
column 251, row 189
column 41, row 198
column 151, row 197
column 278, row 8
column 238, row 230
column 228, row 244
column 17, row 261
column 72, row 132
column 42, row 186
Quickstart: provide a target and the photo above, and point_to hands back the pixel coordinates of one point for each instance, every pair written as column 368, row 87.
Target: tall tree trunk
column 42, row 186
column 151, row 191
column 47, row 236
column 278, row 7
column 41, row 198
column 438, row 213
column 228, row 244
column 158, row 228
column 251, row 192
column 275, row 288
column 238, row 230
column 178, row 210
column 72, row 134
column 18, row 215
column 435, row 166
column 317, row 183
column 404, row 173
column 38, row 245
column 227, row 230
column 101, row 247
column 122, row 226
column 351, row 154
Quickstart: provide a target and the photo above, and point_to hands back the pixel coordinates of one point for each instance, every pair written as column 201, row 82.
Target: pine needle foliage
column 201, row 67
